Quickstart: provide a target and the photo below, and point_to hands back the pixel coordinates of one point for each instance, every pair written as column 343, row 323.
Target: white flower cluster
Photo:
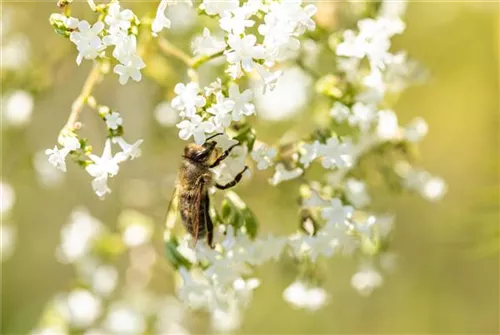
column 283, row 22
column 219, row 280
column 92, row 40
column 103, row 167
column 202, row 117
column 104, row 303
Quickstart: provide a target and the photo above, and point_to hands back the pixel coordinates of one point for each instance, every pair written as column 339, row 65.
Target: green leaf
column 174, row 256
column 236, row 213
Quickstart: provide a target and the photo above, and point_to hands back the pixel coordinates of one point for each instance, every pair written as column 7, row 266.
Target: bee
column 194, row 179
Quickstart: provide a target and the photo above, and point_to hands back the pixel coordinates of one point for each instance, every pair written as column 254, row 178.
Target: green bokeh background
column 447, row 280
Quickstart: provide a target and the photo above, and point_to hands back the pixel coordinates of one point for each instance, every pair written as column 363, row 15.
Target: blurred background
column 447, row 274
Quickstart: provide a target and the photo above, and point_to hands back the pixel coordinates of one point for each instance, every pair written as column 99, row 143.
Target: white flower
column 309, row 152
column 7, row 197
column 339, row 112
column 165, row 114
column 282, row 174
column 301, row 296
column 83, row 307
column 214, row 87
column 362, row 116
column 137, row 234
column 188, row 99
column 221, row 110
column 124, row 320
column 264, row 156
column 118, row 19
column 225, row 142
column 131, row 151
column 269, row 78
column 113, row 120
column 289, row 96
column 104, row 166
column 366, row 280
column 17, row 108
column 206, row 44
column 416, row 130
column 69, row 142
column 242, row 105
column 356, row 193
column 232, row 165
column 387, row 127
column 77, row 236
column 160, row 21
column 336, row 154
column 336, row 213
column 130, row 69
column 434, row 189
column 243, row 51
column 57, row 157
column 218, row 7
column 195, row 127
column 87, row 41
column 236, row 21
column 8, row 235
column 104, row 280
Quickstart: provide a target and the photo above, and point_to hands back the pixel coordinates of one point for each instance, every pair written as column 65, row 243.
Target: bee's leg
column 234, row 182
column 208, row 222
column 224, row 155
column 214, row 135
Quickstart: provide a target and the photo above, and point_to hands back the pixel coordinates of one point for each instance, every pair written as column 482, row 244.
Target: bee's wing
column 172, row 213
column 197, row 208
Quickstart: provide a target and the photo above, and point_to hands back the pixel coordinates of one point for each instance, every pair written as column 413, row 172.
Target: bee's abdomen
column 190, row 211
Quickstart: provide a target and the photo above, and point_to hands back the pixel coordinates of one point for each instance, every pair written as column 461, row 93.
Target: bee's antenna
column 214, row 135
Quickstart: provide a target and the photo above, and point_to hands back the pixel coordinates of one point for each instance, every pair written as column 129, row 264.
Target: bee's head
column 200, row 153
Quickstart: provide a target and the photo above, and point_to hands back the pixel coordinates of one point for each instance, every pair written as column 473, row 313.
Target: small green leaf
column 174, row 256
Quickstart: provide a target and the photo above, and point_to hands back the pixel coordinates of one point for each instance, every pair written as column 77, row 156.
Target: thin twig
column 197, row 62
column 77, row 106
column 170, row 49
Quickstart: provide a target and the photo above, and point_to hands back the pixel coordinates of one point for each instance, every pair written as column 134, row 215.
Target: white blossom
column 302, row 296
column 387, row 127
column 113, row 120
column 104, row 167
column 264, row 156
column 356, row 193
column 336, row 213
column 130, row 69
column 242, row 102
column 161, row 21
column 236, row 21
column 83, row 308
column 283, row 174
column 7, row 197
column 243, row 51
column 196, row 128
column 122, row 319
column 188, row 99
column 131, row 151
column 366, row 280
column 87, row 41
column 309, row 152
column 57, row 157
column 416, row 130
column 104, row 280
column 227, row 170
column 78, row 235
column 206, row 44
column 217, row 7
column 118, row 19
column 17, row 108
column 222, row 111
column 336, row 154
column 339, row 112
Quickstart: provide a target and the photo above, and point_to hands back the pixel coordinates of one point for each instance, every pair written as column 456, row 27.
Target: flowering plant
column 263, row 55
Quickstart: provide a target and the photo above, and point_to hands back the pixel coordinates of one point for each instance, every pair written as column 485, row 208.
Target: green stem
column 197, row 62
